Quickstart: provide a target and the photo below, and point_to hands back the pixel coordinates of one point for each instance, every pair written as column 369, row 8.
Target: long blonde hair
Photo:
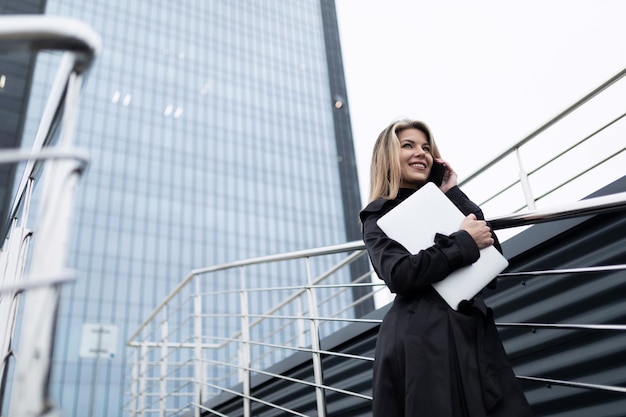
column 385, row 168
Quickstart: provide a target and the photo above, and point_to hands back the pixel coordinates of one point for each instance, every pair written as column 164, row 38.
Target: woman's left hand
column 449, row 176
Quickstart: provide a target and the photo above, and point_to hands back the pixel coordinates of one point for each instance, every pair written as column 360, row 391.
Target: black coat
column 432, row 361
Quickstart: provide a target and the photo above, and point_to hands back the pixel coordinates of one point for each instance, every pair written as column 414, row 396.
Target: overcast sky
column 482, row 73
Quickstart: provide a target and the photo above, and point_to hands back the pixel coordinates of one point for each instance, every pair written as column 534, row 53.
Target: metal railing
column 586, row 140
column 295, row 323
column 183, row 362
column 54, row 166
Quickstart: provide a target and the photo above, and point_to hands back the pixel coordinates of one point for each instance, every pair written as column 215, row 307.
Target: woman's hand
column 478, row 230
column 449, row 176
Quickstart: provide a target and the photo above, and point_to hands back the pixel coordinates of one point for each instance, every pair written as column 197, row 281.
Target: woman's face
column 415, row 158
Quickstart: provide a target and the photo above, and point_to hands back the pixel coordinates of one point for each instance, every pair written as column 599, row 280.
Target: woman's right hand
column 478, row 230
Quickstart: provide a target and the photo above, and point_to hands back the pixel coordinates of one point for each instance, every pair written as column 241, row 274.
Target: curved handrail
column 36, row 33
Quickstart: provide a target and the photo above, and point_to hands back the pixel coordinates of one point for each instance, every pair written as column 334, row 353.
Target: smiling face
column 416, row 158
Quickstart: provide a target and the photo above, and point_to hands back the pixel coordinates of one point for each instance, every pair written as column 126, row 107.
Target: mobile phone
column 436, row 173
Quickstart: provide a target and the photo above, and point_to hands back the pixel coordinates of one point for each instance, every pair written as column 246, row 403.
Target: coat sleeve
column 408, row 274
column 463, row 203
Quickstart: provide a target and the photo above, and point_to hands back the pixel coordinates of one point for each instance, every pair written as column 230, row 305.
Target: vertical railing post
column 245, row 345
column 134, row 384
column 197, row 329
column 163, row 379
column 523, row 177
column 143, row 370
column 315, row 344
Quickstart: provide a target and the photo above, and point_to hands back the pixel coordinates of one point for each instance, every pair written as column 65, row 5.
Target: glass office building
column 217, row 130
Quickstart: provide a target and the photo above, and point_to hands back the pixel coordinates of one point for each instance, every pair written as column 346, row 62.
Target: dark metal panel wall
column 589, row 356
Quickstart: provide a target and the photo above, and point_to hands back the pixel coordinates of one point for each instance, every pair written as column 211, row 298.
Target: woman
column 431, row 360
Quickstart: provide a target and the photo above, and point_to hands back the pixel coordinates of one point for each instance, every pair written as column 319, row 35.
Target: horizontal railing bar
column 611, row 327
column 288, row 256
column 43, row 154
column 546, row 125
column 299, row 349
column 167, row 410
column 174, row 345
column 346, row 261
column 302, row 288
column 178, row 392
column 152, row 364
column 351, row 285
column 269, row 316
column 599, row 387
column 175, row 368
column 356, row 283
column 66, row 277
column 241, row 395
column 564, row 271
column 151, row 410
column 186, row 378
column 281, row 328
column 596, row 205
column 580, row 174
column 583, row 140
column 350, row 306
column 154, row 367
column 294, row 380
column 210, row 410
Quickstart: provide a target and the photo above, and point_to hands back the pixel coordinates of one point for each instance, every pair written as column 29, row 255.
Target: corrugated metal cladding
column 596, row 357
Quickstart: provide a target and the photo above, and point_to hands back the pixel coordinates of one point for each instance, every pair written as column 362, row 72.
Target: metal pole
column 198, row 347
column 315, row 345
column 245, row 346
column 142, row 379
column 163, row 381
column 133, row 384
column 523, row 177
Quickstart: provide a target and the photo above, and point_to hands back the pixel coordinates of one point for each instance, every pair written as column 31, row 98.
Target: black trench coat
column 432, row 361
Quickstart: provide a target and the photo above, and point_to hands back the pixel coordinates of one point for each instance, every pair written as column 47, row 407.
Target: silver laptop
column 414, row 222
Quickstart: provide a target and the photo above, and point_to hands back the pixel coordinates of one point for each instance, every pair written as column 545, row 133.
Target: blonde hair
column 385, row 169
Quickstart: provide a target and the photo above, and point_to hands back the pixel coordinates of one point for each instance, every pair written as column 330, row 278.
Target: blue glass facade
column 218, row 130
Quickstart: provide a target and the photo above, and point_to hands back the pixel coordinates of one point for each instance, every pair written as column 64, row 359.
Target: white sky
column 483, row 74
